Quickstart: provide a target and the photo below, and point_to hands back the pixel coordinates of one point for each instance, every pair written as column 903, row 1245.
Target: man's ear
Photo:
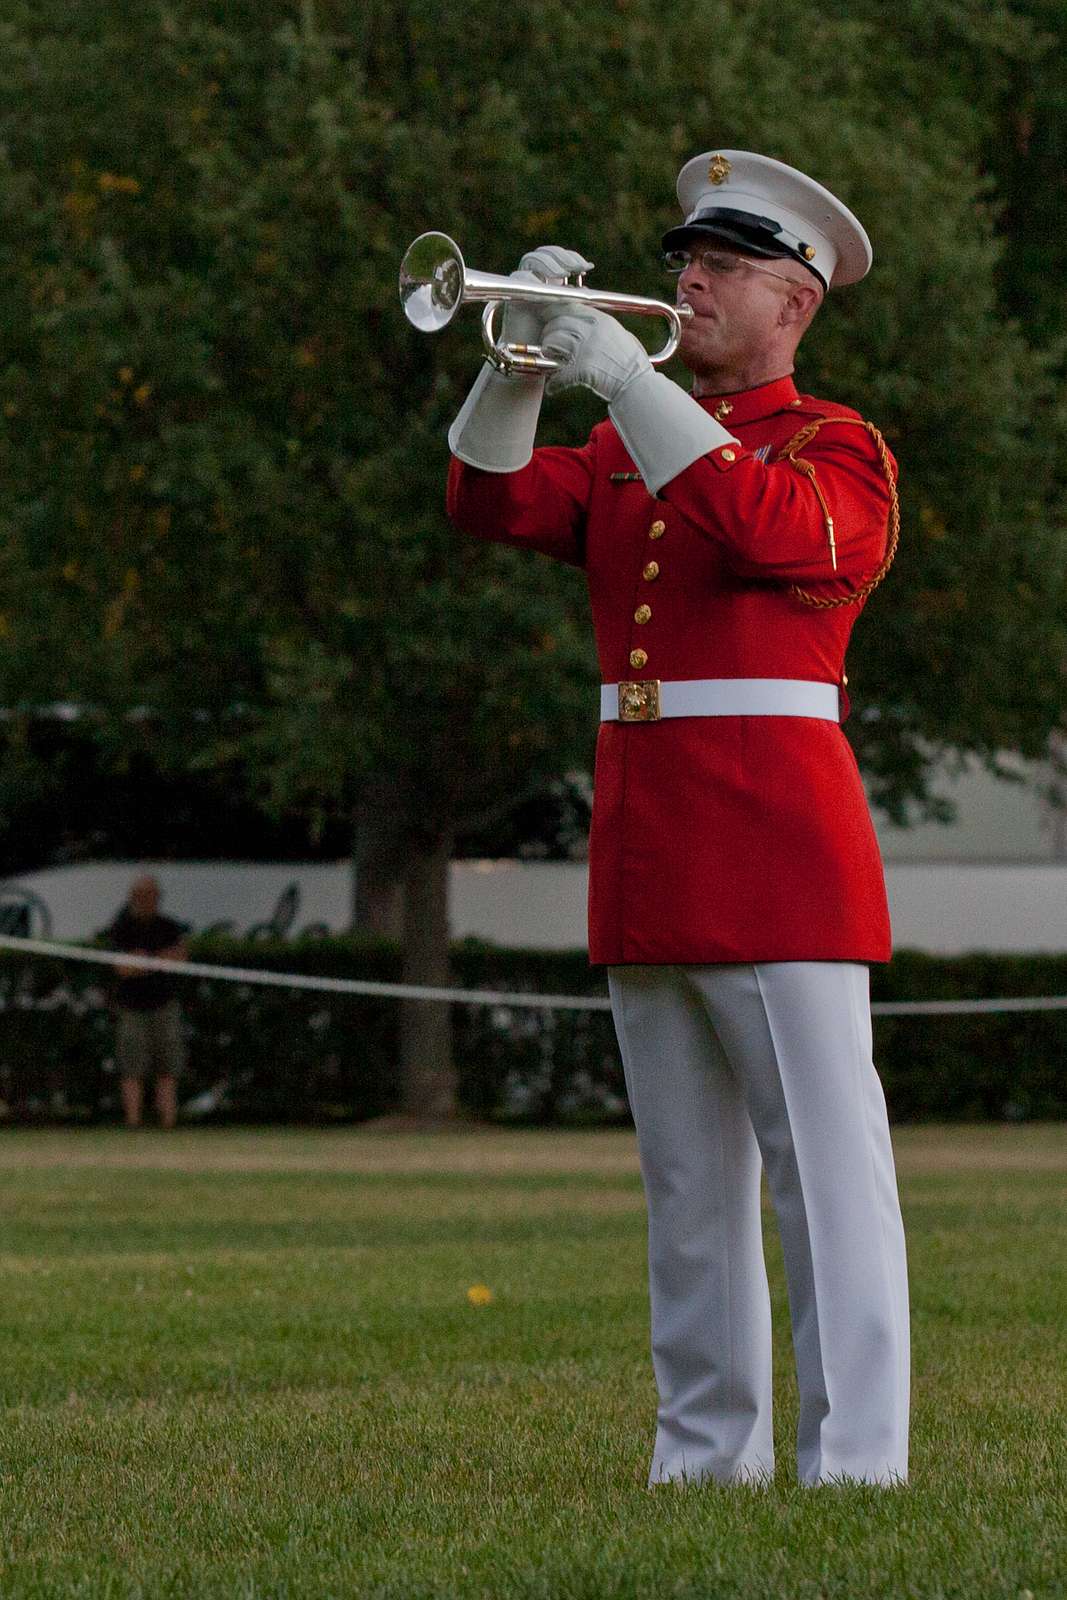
column 801, row 304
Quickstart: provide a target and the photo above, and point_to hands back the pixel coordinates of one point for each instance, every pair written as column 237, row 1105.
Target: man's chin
column 698, row 342
column 697, row 358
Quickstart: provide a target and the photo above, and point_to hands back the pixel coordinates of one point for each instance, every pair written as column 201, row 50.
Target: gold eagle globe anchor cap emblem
column 718, row 169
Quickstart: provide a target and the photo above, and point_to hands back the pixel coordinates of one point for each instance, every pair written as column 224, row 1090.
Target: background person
column 149, row 1038
column 730, row 538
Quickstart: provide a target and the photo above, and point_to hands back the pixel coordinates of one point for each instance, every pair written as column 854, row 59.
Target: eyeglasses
column 720, row 262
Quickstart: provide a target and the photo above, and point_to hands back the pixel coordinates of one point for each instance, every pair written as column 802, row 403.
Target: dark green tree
column 223, row 449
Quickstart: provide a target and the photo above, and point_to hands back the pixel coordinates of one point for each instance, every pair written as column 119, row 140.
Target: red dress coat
column 719, row 839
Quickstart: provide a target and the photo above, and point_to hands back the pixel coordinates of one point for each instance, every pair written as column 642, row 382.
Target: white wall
column 950, row 908
column 945, row 908
column 83, row 899
column 997, row 820
column 937, row 906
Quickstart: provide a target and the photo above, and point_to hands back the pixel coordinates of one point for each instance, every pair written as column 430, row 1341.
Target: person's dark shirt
column 148, row 990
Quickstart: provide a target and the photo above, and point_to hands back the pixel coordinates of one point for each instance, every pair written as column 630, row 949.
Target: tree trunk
column 378, row 865
column 427, row 1069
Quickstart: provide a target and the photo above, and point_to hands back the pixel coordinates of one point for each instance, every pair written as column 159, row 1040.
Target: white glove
column 593, row 350
column 496, row 426
column 551, row 263
column 663, row 428
column 522, row 321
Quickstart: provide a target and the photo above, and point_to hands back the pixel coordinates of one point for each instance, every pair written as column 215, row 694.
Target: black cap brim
column 754, row 235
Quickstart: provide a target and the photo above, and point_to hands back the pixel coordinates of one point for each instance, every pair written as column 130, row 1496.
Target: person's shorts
column 150, row 1042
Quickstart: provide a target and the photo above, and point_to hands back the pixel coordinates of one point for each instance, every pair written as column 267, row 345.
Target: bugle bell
column 435, row 282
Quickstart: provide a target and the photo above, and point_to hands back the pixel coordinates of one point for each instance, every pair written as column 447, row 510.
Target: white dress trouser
column 729, row 1068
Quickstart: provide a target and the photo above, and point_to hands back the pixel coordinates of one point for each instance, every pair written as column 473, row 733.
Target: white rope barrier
column 968, row 1008
column 481, row 997
column 306, row 980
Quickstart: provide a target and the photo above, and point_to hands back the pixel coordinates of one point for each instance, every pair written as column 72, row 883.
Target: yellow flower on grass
column 479, row 1294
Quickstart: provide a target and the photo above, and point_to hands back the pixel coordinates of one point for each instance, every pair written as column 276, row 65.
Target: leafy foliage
column 223, row 449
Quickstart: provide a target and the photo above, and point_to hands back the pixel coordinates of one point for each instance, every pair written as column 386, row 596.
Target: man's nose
column 694, row 276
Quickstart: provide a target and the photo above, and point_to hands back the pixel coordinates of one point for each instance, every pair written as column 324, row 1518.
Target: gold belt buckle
column 639, row 702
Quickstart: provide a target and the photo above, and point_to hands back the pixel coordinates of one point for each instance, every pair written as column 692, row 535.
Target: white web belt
column 649, row 699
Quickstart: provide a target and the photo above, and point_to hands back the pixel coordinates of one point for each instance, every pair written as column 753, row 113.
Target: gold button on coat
column 642, row 613
column 729, row 455
column 651, row 571
column 657, row 530
column 638, row 659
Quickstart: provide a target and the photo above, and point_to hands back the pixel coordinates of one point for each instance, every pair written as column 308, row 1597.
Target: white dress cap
column 770, row 209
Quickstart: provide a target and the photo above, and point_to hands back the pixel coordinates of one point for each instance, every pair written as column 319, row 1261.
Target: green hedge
column 275, row 1055
column 976, row 1068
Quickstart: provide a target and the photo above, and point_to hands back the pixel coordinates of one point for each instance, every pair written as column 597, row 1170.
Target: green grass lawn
column 244, row 1364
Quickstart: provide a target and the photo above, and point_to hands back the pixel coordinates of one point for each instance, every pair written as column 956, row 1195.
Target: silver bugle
column 435, row 282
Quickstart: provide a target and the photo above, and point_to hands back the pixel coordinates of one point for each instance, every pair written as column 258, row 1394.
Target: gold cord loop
column 788, row 453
